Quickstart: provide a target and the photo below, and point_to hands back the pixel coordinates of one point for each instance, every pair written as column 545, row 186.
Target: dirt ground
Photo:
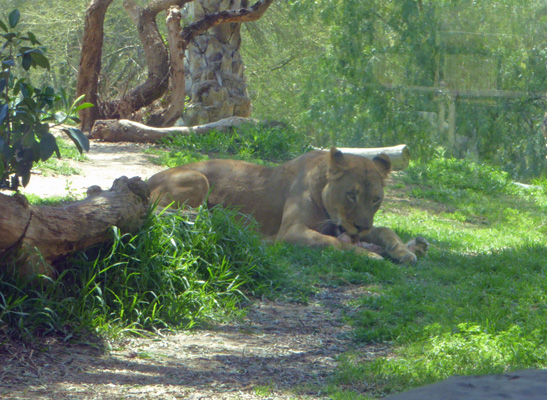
column 277, row 351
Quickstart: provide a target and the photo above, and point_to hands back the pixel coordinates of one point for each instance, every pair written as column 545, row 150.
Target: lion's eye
column 351, row 196
column 376, row 200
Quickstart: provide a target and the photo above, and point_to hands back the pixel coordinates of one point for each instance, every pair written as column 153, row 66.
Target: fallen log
column 123, row 130
column 33, row 237
column 399, row 155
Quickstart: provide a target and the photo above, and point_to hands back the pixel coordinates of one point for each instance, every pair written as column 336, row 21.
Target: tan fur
column 295, row 201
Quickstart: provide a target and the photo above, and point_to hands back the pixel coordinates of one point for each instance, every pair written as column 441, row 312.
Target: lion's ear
column 336, row 161
column 383, row 163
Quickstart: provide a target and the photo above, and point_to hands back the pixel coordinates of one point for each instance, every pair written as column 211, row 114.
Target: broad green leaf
column 33, row 39
column 40, row 59
column 24, row 158
column 26, row 178
column 13, row 18
column 60, row 117
column 9, row 63
column 83, row 106
column 80, row 98
column 3, row 26
column 5, row 151
column 28, row 139
column 35, row 151
column 9, row 35
column 3, row 112
column 48, row 146
column 27, row 61
column 79, row 139
column 3, row 84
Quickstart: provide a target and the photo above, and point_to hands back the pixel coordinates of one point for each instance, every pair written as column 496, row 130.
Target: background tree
column 91, row 59
column 216, row 83
column 157, row 55
column 155, row 52
column 466, row 76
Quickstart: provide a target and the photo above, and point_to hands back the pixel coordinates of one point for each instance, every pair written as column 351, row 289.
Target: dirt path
column 278, row 351
column 105, row 163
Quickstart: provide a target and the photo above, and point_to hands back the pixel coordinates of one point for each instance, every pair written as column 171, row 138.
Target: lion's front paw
column 368, row 253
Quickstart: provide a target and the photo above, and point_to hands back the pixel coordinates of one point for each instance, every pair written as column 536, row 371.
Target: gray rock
column 518, row 385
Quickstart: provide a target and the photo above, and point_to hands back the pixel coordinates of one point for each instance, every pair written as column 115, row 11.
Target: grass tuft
column 179, row 270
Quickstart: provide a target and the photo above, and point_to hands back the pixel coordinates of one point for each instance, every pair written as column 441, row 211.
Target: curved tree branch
column 157, row 60
column 208, row 21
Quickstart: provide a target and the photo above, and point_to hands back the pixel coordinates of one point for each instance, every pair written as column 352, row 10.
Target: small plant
column 25, row 110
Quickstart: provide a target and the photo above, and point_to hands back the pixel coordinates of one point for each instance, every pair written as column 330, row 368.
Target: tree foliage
column 25, row 109
column 386, row 72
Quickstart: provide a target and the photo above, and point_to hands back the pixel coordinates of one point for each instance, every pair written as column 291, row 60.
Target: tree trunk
column 90, row 60
column 176, row 99
column 35, row 236
column 123, row 130
column 215, row 80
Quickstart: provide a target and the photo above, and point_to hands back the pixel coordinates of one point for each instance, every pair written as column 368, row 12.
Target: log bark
column 123, row 130
column 399, row 155
column 36, row 236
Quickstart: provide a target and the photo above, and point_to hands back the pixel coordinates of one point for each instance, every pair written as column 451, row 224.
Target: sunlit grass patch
column 469, row 350
column 478, row 302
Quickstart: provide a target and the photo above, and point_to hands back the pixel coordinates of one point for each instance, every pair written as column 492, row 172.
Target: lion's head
column 354, row 190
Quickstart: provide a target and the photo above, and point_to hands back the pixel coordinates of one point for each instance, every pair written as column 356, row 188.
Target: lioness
column 309, row 200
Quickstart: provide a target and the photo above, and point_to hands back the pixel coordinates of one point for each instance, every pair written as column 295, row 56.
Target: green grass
column 477, row 304
column 250, row 143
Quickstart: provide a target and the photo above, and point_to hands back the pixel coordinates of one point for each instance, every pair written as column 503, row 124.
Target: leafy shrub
column 25, row 109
